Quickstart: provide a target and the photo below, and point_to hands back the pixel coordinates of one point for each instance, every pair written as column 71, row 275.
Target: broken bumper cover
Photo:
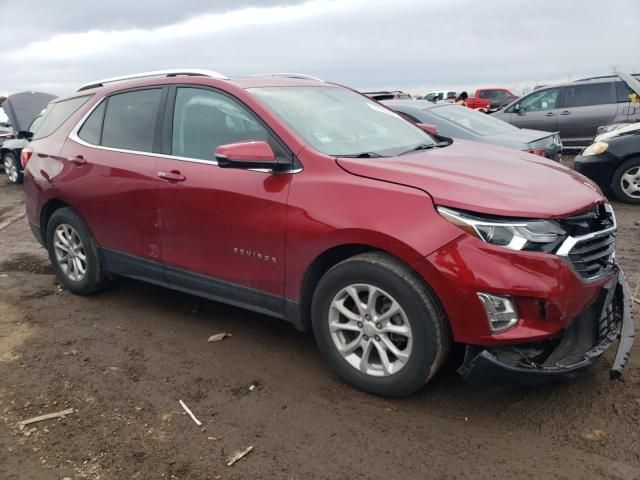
column 561, row 358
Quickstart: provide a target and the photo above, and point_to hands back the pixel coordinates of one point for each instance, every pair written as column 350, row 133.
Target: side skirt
column 201, row 286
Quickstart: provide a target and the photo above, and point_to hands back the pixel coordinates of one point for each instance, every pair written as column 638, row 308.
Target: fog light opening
column 502, row 312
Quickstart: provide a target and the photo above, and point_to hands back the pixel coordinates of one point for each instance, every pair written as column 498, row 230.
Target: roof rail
column 301, row 76
column 602, row 76
column 174, row 72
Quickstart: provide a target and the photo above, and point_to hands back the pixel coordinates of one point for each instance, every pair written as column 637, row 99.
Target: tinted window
column 622, row 92
column 130, row 119
column 92, row 127
column 583, row 95
column 543, row 100
column 57, row 113
column 203, row 120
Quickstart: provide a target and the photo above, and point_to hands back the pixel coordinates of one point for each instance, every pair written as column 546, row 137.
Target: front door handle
column 172, row 176
column 566, row 112
column 550, row 114
column 78, row 160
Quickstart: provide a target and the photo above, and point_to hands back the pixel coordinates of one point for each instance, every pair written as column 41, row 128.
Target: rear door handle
column 78, row 160
column 550, row 114
column 172, row 176
column 566, row 112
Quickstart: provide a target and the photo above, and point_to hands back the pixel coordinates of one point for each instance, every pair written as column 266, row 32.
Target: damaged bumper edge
column 613, row 321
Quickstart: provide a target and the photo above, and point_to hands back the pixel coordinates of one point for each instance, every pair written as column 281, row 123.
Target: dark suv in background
column 576, row 109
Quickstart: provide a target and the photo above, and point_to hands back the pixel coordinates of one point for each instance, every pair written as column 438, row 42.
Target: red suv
column 308, row 201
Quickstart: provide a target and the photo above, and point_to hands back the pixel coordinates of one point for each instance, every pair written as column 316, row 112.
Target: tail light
column 538, row 151
column 25, row 156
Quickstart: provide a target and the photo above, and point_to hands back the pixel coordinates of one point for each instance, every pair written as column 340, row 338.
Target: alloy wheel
column 630, row 182
column 70, row 252
column 370, row 330
column 10, row 169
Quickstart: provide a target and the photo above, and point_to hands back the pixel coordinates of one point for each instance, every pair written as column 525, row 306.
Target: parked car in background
column 478, row 104
column 462, row 123
column 388, row 95
column 615, row 130
column 497, row 97
column 310, row 202
column 614, row 164
column 439, row 95
column 576, row 109
column 11, row 150
column 21, row 110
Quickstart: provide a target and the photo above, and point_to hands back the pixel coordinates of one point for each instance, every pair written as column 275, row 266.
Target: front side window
column 57, row 113
column 130, row 120
column 204, row 119
column 475, row 122
column 584, row 95
column 543, row 100
column 339, row 122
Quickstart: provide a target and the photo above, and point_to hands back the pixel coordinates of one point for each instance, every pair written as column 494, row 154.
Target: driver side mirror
column 428, row 127
column 247, row 155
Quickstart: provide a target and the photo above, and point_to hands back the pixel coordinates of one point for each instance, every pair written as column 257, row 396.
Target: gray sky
column 416, row 45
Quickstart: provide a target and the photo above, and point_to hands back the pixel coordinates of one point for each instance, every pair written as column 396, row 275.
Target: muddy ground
column 122, row 360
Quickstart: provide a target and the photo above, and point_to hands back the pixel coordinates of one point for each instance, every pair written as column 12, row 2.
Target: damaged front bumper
column 563, row 356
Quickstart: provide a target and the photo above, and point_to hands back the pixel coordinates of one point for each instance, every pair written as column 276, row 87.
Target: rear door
column 537, row 111
column 112, row 172
column 583, row 108
column 223, row 229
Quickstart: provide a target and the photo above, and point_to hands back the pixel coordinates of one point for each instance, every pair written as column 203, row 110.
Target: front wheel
column 626, row 181
column 379, row 326
column 12, row 169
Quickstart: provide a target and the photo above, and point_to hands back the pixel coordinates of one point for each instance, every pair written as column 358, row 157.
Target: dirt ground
column 124, row 358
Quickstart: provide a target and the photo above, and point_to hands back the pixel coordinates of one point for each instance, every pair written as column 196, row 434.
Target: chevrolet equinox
column 308, row 201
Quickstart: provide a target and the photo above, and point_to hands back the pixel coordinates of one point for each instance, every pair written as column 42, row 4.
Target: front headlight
column 525, row 234
column 595, row 149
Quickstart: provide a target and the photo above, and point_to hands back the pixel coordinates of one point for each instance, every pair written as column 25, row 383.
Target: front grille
column 593, row 257
column 590, row 246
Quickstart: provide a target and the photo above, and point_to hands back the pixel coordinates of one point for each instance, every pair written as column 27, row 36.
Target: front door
column 537, row 111
column 222, row 230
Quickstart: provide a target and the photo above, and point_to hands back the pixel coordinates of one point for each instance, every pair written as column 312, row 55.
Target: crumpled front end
column 561, row 357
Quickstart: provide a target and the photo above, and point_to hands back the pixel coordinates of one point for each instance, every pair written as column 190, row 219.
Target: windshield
column 339, row 122
column 475, row 122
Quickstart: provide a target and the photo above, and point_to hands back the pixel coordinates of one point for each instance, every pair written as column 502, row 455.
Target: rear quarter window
column 57, row 113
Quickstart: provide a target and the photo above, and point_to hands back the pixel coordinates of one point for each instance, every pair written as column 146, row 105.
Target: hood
column 521, row 136
column 486, row 179
column 626, row 130
column 22, row 108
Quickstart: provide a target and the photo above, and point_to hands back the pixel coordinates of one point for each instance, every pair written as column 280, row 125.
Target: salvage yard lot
column 124, row 358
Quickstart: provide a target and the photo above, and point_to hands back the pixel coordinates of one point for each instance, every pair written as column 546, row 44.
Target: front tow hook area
column 561, row 358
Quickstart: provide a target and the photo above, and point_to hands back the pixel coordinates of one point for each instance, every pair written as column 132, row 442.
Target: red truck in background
column 495, row 97
column 478, row 104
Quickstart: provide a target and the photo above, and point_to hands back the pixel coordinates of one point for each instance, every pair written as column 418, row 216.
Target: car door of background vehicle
column 583, row 108
column 538, row 111
column 116, row 172
column 225, row 225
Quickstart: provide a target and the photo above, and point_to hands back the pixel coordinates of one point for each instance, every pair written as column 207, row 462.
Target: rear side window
column 130, row 120
column 91, row 130
column 584, row 95
column 622, row 92
column 57, row 113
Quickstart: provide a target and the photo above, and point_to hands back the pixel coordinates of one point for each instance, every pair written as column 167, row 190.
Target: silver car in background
column 576, row 109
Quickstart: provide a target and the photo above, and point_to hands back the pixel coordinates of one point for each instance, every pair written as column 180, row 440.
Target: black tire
column 19, row 174
column 616, row 181
column 94, row 277
column 429, row 326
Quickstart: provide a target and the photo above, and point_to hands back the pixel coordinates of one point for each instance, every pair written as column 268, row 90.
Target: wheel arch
column 47, row 210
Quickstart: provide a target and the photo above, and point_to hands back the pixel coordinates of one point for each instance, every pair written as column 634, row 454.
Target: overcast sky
column 55, row 46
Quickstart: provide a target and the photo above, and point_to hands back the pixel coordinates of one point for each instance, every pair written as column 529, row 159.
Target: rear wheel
column 379, row 326
column 12, row 169
column 73, row 253
column 626, row 181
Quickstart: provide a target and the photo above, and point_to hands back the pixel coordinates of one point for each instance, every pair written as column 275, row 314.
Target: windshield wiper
column 425, row 146
column 362, row 155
